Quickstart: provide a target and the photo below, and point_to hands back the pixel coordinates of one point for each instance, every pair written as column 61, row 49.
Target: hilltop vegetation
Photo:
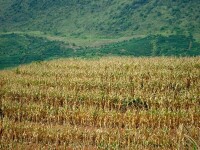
column 91, row 17
column 33, row 30
column 109, row 103
column 18, row 49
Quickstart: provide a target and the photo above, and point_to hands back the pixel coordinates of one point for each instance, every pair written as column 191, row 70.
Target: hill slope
column 32, row 30
column 114, row 17
column 16, row 49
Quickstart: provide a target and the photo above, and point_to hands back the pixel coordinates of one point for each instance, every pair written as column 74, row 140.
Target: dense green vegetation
column 19, row 49
column 174, row 45
column 16, row 49
column 93, row 17
column 34, row 30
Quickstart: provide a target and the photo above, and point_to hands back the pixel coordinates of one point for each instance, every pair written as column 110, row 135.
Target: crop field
column 105, row 103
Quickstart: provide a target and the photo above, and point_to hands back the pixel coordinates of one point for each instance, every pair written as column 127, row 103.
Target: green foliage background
column 18, row 49
column 35, row 30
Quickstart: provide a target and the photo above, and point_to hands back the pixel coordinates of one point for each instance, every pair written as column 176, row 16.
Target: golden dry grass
column 110, row 103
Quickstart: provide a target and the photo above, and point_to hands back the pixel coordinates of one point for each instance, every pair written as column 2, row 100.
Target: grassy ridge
column 19, row 49
column 174, row 45
column 16, row 49
column 110, row 103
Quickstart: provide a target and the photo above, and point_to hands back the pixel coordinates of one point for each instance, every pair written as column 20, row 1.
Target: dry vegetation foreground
column 110, row 103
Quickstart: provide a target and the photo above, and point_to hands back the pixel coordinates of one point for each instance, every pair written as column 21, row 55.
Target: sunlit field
column 106, row 103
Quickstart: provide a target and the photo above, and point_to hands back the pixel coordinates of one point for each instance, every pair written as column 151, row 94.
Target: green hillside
column 94, row 17
column 44, row 29
column 16, row 49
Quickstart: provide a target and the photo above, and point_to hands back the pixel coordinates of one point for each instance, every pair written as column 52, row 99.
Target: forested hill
column 32, row 30
column 102, row 17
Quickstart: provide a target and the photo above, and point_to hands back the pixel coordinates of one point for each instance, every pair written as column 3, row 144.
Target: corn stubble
column 110, row 103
